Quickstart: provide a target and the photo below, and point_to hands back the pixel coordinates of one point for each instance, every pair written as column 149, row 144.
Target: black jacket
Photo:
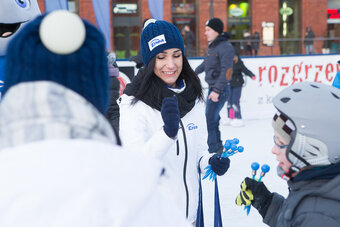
column 113, row 112
column 309, row 37
column 237, row 76
column 217, row 62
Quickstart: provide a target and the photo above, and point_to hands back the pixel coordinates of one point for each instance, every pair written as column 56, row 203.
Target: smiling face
column 280, row 153
column 210, row 33
column 13, row 15
column 168, row 66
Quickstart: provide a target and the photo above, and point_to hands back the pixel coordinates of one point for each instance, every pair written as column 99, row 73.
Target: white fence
column 272, row 75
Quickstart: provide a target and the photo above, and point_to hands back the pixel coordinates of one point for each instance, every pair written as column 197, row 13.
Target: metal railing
column 284, row 46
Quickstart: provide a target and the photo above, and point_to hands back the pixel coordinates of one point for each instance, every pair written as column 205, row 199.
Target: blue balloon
column 265, row 168
column 240, row 149
column 255, row 166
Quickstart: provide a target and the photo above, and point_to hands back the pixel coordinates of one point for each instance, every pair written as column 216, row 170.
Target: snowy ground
column 257, row 139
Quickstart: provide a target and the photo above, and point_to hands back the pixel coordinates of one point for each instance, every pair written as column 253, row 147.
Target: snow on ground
column 257, row 139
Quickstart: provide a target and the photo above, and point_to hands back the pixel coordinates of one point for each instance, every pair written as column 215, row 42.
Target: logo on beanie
column 155, row 42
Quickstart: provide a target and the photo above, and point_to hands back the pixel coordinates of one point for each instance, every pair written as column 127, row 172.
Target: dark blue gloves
column 218, row 164
column 170, row 115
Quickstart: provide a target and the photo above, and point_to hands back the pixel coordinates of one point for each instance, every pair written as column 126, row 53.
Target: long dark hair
column 148, row 78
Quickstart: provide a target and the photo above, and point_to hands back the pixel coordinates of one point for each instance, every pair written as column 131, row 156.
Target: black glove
column 256, row 194
column 218, row 164
column 139, row 65
column 170, row 115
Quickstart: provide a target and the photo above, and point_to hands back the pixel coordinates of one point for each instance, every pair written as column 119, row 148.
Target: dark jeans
column 234, row 101
column 212, row 114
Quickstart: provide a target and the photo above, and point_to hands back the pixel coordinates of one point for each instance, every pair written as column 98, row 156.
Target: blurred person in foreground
column 60, row 161
column 307, row 147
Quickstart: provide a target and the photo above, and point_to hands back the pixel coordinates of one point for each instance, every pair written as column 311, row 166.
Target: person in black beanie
column 61, row 163
column 217, row 66
column 162, row 114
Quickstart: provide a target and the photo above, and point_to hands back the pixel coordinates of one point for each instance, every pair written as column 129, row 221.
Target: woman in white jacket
column 162, row 114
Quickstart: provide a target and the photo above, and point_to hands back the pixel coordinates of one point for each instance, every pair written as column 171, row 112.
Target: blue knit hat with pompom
column 158, row 36
column 84, row 70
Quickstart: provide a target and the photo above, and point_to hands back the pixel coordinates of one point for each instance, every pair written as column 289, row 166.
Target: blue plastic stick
column 264, row 169
column 230, row 148
column 254, row 166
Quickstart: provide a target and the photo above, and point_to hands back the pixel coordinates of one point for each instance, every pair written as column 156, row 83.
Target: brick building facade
column 306, row 13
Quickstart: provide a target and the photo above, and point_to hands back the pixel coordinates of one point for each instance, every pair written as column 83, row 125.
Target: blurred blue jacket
column 336, row 81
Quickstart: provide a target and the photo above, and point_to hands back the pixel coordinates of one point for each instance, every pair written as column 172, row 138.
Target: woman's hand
column 170, row 115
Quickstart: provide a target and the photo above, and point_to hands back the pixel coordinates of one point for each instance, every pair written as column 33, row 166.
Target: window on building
column 127, row 27
column 289, row 27
column 239, row 22
column 184, row 18
column 333, row 26
column 73, row 6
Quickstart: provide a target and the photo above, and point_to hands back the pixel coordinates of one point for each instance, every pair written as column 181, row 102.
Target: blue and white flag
column 156, row 9
column 102, row 12
column 51, row 5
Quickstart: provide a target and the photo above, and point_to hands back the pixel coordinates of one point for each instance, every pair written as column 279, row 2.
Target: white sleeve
column 203, row 154
column 160, row 209
column 137, row 129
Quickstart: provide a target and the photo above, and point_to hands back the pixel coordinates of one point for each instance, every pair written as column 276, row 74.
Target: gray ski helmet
column 314, row 108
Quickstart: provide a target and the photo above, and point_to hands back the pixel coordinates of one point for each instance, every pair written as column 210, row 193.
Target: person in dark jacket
column 247, row 44
column 255, row 44
column 307, row 147
column 236, row 83
column 217, row 66
column 309, row 39
column 137, row 59
column 189, row 40
column 113, row 111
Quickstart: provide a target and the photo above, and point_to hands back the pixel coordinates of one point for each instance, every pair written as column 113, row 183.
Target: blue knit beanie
column 158, row 36
column 84, row 70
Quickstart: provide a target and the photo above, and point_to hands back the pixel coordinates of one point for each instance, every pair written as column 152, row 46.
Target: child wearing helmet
column 307, row 146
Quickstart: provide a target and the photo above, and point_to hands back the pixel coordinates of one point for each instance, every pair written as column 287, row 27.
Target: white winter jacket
column 59, row 166
column 141, row 129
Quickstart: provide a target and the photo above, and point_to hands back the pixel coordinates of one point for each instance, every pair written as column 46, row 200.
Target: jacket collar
column 222, row 37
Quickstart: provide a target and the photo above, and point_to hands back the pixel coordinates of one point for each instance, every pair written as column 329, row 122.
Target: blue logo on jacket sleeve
column 192, row 126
